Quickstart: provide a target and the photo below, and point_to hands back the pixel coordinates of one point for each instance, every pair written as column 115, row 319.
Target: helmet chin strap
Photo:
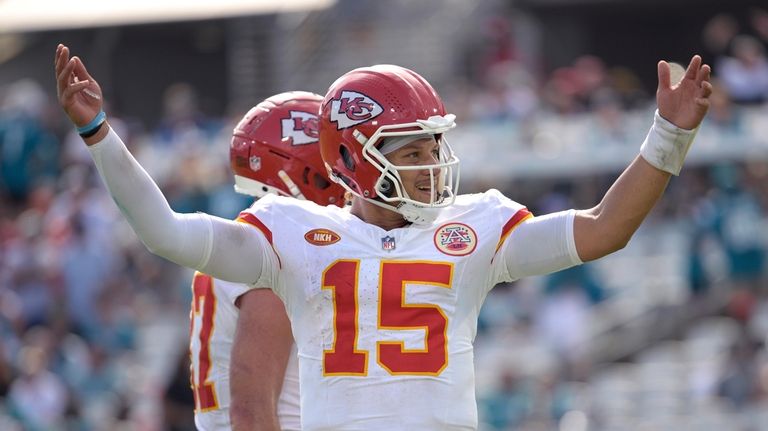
column 295, row 192
column 412, row 213
column 417, row 214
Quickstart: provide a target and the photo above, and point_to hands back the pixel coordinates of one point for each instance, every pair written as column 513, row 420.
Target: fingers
column 80, row 70
column 706, row 89
column 702, row 102
column 664, row 75
column 65, row 75
column 75, row 88
column 62, row 57
column 703, row 74
column 60, row 50
column 68, row 82
column 693, row 67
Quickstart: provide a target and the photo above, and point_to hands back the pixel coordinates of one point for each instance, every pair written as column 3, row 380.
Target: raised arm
column 209, row 244
column 609, row 226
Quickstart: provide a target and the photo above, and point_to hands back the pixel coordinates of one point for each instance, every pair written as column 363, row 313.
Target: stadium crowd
column 93, row 325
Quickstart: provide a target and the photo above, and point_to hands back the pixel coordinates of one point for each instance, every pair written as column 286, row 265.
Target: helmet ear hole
column 346, row 156
column 320, row 182
column 387, row 187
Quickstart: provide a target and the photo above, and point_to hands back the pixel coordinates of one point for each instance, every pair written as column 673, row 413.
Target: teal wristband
column 93, row 125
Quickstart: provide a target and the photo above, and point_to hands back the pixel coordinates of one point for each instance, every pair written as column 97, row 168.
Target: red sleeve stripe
column 520, row 216
column 254, row 221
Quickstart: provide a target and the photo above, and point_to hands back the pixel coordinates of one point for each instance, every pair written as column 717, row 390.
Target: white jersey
column 385, row 320
column 213, row 320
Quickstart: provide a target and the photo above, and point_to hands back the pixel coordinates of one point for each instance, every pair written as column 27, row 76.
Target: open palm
column 686, row 103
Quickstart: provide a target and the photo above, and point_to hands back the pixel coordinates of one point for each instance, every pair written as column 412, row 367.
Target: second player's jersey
column 385, row 320
column 213, row 320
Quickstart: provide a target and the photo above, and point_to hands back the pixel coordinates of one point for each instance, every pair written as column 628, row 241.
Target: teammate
column 273, row 151
column 383, row 299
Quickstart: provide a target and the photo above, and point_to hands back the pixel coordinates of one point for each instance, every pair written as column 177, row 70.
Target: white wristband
column 666, row 145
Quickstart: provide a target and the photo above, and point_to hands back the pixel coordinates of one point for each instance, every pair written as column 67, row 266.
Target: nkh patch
column 455, row 239
column 321, row 237
column 388, row 243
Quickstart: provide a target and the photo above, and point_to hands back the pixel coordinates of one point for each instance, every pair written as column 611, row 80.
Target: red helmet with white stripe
column 361, row 110
column 274, row 150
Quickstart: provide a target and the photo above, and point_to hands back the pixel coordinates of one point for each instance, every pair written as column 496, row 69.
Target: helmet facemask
column 390, row 190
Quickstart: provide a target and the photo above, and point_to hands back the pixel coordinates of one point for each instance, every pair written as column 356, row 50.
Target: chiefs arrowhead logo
column 322, row 237
column 302, row 128
column 353, row 108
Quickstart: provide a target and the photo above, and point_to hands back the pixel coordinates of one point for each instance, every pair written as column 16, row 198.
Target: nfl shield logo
column 388, row 243
column 254, row 162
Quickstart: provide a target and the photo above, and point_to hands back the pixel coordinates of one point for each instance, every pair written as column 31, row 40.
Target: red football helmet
column 274, row 150
column 364, row 107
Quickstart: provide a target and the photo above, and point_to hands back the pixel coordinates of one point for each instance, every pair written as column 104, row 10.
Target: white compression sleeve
column 206, row 243
column 541, row 245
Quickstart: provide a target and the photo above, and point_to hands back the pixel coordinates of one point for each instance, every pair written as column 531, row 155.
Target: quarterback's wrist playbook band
column 666, row 145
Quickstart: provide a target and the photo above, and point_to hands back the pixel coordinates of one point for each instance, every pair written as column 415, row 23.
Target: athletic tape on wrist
column 666, row 145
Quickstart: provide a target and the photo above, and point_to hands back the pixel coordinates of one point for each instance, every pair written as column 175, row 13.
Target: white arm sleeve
column 540, row 245
column 209, row 244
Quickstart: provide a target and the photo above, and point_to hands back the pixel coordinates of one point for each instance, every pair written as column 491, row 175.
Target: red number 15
column 393, row 314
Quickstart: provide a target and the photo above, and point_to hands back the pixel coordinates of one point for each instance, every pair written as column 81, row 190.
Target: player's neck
column 375, row 215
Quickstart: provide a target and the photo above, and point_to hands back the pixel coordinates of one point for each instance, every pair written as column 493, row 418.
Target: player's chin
column 423, row 196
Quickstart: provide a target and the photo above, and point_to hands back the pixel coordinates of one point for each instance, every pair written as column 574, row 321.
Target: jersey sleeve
column 209, row 244
column 229, row 291
column 531, row 245
column 260, row 217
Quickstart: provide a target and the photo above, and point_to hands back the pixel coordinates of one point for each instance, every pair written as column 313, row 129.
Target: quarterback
column 383, row 298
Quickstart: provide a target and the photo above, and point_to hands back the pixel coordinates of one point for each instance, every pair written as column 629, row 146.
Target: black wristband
column 92, row 132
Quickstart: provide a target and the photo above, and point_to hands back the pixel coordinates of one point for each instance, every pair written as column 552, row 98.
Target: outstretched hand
column 685, row 103
column 79, row 94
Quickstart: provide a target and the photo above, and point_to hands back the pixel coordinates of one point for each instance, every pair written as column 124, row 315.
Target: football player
column 274, row 150
column 383, row 298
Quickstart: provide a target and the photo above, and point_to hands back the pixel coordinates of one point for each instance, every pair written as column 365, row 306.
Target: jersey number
column 393, row 314
column 203, row 305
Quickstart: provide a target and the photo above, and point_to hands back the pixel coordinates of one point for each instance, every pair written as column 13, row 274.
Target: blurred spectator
column 722, row 112
column 739, row 379
column 178, row 402
column 561, row 319
column 574, row 89
column 627, row 88
column 495, row 46
column 6, row 371
column 28, row 151
column 38, row 397
column 509, row 404
column 745, row 74
column 607, row 124
column 758, row 18
column 183, row 123
column 68, row 262
column 717, row 35
column 591, row 76
column 741, row 227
